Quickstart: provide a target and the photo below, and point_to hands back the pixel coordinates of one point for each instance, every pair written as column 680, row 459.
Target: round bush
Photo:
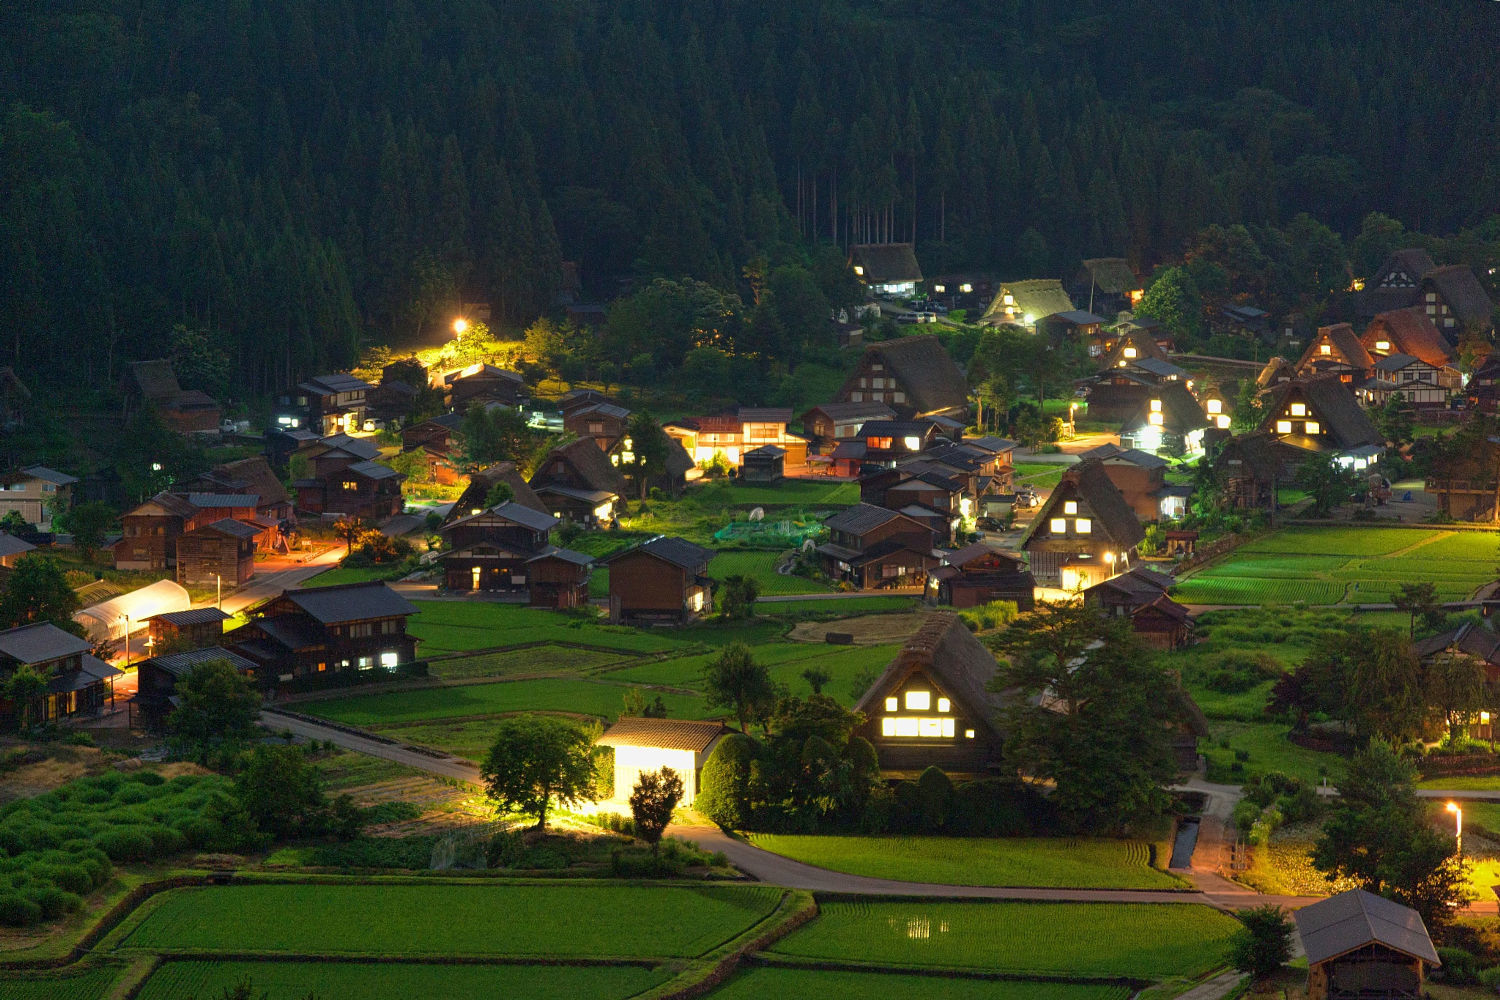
column 73, row 878
column 18, row 911
column 150, row 778
column 54, row 902
column 126, row 843
column 200, row 832
column 724, row 788
column 165, row 840
column 934, row 797
column 131, row 795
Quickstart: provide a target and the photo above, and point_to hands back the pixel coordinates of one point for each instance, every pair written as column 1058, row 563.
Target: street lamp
column 125, row 619
column 1458, row 831
column 218, row 592
column 459, row 326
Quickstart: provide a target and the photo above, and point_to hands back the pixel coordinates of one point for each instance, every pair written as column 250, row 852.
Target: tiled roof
column 193, row 616
column 664, row 734
column 677, row 551
column 39, row 642
column 179, row 664
column 350, row 602
column 860, row 518
column 1350, row 920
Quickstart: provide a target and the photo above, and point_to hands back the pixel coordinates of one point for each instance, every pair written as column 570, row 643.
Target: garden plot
column 1010, row 861
column 869, row 630
column 400, row 980
column 462, row 627
column 768, row 981
column 1082, row 940
column 491, row 920
column 761, row 566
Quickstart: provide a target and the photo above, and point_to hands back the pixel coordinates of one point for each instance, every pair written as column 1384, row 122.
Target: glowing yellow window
column 1223, row 421
column 1129, row 352
column 1083, row 526
column 1215, row 406
column 913, row 443
column 906, row 726
column 1155, row 419
column 1070, row 506
column 944, row 705
column 918, row 701
column 1382, row 345
column 1299, row 409
column 1156, row 406
column 968, row 734
column 892, row 705
column 1312, row 427
column 931, row 728
column 1325, row 349
column 1009, row 299
column 1283, row 427
column 1058, row 526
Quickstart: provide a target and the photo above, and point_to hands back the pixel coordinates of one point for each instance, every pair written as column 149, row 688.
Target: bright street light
column 1458, row 833
column 459, row 326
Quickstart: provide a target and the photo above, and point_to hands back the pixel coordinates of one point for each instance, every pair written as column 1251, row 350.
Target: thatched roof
column 156, row 379
column 1408, row 331
column 1403, row 269
column 480, row 484
column 590, row 464
column 1144, row 343
column 1180, row 411
column 886, row 263
column 1464, row 294
column 1275, row 371
column 923, row 369
column 1470, row 638
column 1111, row 275
column 957, row 662
column 1088, row 483
column 1250, row 455
column 1331, row 404
column 1037, row 298
column 1345, row 348
column 256, row 475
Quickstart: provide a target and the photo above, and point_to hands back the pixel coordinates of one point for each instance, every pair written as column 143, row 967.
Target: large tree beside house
column 537, row 760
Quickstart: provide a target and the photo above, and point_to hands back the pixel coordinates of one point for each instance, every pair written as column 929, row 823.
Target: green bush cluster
column 996, row 614
column 1272, row 799
column 674, row 858
column 1237, row 670
column 59, row 847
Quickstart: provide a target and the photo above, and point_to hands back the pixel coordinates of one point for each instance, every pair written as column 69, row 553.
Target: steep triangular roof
column 923, row 368
column 885, row 263
column 1087, row 481
column 591, row 464
column 480, row 483
column 256, row 474
column 1112, row 275
column 1344, row 347
column 947, row 652
column 156, row 379
column 1255, row 455
column 1142, row 342
column 1408, row 331
column 1037, row 298
column 1333, row 405
column 1464, row 294
column 1180, row 410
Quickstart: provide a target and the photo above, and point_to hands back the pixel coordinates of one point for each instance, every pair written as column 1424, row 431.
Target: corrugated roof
column 234, row 529
column 677, row 551
column 47, row 475
column 337, row 382
column 566, row 555
column 373, row 470
column 350, row 602
column 765, row 414
column 842, row 412
column 39, row 642
column 192, row 616
column 1134, row 456
column 179, row 664
column 1350, row 920
column 663, row 734
column 208, row 501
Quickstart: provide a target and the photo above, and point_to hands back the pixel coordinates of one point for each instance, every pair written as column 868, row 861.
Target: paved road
column 267, row 585
column 448, row 767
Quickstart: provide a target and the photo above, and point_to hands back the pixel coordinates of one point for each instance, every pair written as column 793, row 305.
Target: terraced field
column 547, row 659
column 86, row 984
column 758, row 983
column 1017, row 861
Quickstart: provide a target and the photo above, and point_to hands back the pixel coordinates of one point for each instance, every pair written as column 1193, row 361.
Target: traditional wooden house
column 1117, row 394
column 490, row 551
column 886, row 269
column 1105, row 285
column 1244, row 320
column 830, row 423
column 1274, row 372
column 157, row 677
column 1320, row 416
column 1150, row 327
column 1247, row 468
column 273, row 518
column 1361, row 946
column 872, row 547
column 578, row 482
column 476, row 496
column 221, row 552
column 480, row 384
column 903, row 486
column 1140, row 477
column 645, row 745
column 191, row 629
column 766, row 464
column 1169, row 419
column 1335, row 350
column 438, row 433
column 355, row 626
column 151, row 531
column 37, row 493
column 12, row 549
column 1397, row 283
column 1022, row 303
column 1482, row 394
column 154, row 384
column 1129, row 346
column 1457, row 303
column 604, row 423
column 78, row 683
column 559, row 578
column 1085, row 532
column 730, row 435
column 324, row 404
column 660, row 580
column 1407, row 331
column 888, row 442
column 978, row 574
column 1140, row 594
column 914, row 376
column 1418, row 383
column 1078, row 327
column 933, row 705
column 369, row 491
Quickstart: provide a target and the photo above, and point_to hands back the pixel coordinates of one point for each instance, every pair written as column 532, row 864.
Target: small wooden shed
column 766, row 464
column 1360, row 945
column 643, row 744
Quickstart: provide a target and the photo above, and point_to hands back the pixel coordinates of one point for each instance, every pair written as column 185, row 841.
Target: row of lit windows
column 1081, row 525
column 1309, row 427
column 921, row 727
column 918, row 701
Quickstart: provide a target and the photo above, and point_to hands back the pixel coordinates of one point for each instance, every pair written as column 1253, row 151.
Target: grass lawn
column 1020, row 861
column 396, row 981
column 800, row 492
column 532, row 660
column 352, row 574
column 1465, row 783
column 768, row 981
column 498, row 919
column 1079, row 939
column 761, row 566
column 1042, row 475
column 834, row 607
column 1269, row 750
column 786, row 661
column 88, row 984
column 582, row 697
column 461, row 626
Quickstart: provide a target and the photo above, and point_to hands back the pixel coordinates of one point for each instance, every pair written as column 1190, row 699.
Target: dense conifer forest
column 300, row 176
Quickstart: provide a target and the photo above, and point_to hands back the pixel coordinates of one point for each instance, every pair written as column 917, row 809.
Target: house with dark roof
column 763, row 465
column 932, row 705
column 367, row 490
column 1360, row 945
column 603, row 421
column 642, row 745
column 888, row 442
column 438, row 434
column 977, row 574
column 1416, row 382
column 12, row 549
column 1022, row 303
column 1105, row 285
column 1076, row 326
column 1457, row 303
column 78, row 683
column 36, row 493
column 1247, row 467
column 157, row 677
column 559, row 578
column 480, row 385
column 221, row 552
column 577, row 482
column 1335, row 350
column 1127, row 346
column 872, row 547
column 1243, row 320
column 253, row 477
column 830, row 423
column 493, row 550
column 1169, row 419
column 730, row 435
column 914, row 376
column 1140, row 594
column 1320, row 416
column 473, row 499
column 151, row 531
column 1396, row 284
column 1084, row 533
column 1117, row 394
column 190, row 629
column 355, row 626
column 888, row 269
column 660, row 580
column 154, row 384
column 324, row 404
column 1141, row 479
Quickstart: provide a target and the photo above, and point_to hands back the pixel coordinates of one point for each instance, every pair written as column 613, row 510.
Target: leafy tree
column 215, row 703
column 1454, row 686
column 498, row 494
column 1264, row 944
column 37, row 591
column 87, row 523
column 282, row 792
column 737, row 596
column 490, row 434
column 1393, row 420
column 735, row 681
column 199, row 362
column 24, row 688
column 724, row 788
column 1326, row 482
column 1249, row 408
column 655, row 795
column 1419, row 600
column 1173, row 298
column 14, row 524
column 649, row 447
column 536, row 759
column 816, row 678
column 349, row 527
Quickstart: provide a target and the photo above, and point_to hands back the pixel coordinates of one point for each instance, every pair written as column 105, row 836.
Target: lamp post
column 126, row 620
column 1458, row 830
column 459, row 326
column 218, row 592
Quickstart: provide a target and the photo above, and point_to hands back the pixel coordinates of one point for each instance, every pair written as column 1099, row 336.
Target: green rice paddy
column 572, row 695
column 794, row 984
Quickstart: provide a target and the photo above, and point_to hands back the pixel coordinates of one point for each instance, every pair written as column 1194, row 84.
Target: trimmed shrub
column 724, row 788
column 997, row 807
column 130, row 843
column 1459, row 967
column 54, row 902
column 1236, row 671
column 18, row 911
column 934, row 799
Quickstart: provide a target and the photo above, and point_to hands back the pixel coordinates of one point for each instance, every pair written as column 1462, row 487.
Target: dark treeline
column 299, row 175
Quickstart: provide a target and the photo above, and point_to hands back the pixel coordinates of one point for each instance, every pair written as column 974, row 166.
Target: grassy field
column 1330, row 565
column 792, row 492
column 835, row 608
column 761, row 566
column 786, row 662
column 1042, row 475
column 1076, row 939
column 534, row 660
column 1051, row 863
column 392, row 980
column 406, row 920
column 352, row 574
column 1269, row 750
column 582, row 697
column 88, row 984
column 770, row 981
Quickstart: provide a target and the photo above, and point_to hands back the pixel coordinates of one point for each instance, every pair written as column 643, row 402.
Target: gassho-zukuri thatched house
column 1360, row 945
column 932, row 705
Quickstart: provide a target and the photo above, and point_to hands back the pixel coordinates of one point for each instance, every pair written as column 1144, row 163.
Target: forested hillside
column 301, row 175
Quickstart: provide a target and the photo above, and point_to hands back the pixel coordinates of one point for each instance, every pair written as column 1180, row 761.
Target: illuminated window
column 349, row 484
column 1299, row 410
column 859, row 270
column 1312, row 427
column 968, row 734
column 1215, row 406
column 921, row 727
column 1223, row 421
column 1129, row 352
column 1059, row 526
column 944, row 705
column 918, row 701
column 966, row 288
column 1156, row 406
column 1155, row 419
column 891, row 704
column 940, row 289
column 913, row 443
column 1382, row 345
column 1325, row 349
column 1008, row 299
column 1070, row 506
column 1283, row 427
column 1083, row 526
